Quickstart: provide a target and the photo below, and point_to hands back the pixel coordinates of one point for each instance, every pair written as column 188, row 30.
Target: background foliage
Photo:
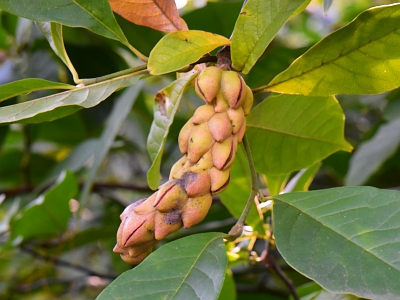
column 63, row 249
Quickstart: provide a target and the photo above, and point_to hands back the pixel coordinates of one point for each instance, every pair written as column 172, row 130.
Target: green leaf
column 346, row 239
column 352, row 60
column 120, row 111
column 53, row 33
column 292, row 132
column 189, row 268
column 26, row 86
column 235, row 196
column 257, row 24
column 96, row 15
column 371, row 154
column 166, row 104
column 48, row 214
column 60, row 105
column 179, row 49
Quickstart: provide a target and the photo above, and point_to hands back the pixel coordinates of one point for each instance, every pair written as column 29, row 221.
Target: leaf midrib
column 263, row 34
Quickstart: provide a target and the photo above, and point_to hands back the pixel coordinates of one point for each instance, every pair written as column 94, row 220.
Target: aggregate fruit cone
column 208, row 142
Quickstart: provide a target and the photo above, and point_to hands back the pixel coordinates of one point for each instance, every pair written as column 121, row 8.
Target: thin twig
column 237, row 230
column 138, row 70
column 64, row 263
column 270, row 262
column 273, row 266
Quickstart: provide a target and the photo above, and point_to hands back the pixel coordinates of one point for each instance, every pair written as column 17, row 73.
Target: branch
column 138, row 70
column 273, row 266
column 63, row 263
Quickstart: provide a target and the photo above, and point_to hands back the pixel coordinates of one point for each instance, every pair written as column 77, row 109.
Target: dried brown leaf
column 161, row 15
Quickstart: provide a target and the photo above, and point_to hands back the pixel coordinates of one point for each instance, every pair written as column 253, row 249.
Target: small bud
column 208, row 83
column 203, row 114
column 146, row 206
column 241, row 132
column 166, row 223
column 221, row 104
column 170, row 196
column 220, row 126
column 236, row 116
column 219, row 179
column 177, row 168
column 224, row 153
column 200, row 141
column 183, row 138
column 195, row 210
column 232, row 88
column 203, row 164
column 247, row 103
column 136, row 229
column 197, row 184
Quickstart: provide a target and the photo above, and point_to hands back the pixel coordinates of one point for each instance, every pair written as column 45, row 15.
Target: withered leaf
column 161, row 15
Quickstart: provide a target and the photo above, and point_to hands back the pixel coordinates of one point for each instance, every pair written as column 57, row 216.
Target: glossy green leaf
column 54, row 34
column 235, row 196
column 359, row 64
column 371, row 154
column 258, row 23
column 60, row 105
column 166, row 104
column 120, row 111
column 189, row 268
column 48, row 214
column 179, row 49
column 346, row 239
column 93, row 15
column 26, row 86
column 292, row 132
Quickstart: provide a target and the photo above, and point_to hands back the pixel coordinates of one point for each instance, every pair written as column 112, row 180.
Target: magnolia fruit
column 208, row 143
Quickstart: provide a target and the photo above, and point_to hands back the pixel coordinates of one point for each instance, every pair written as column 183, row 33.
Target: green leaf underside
column 235, row 196
column 179, row 49
column 53, row 32
column 96, row 15
column 292, row 132
column 49, row 213
column 26, row 86
column 258, row 23
column 165, row 107
column 360, row 58
column 371, row 154
column 59, row 105
column 189, row 268
column 346, row 239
